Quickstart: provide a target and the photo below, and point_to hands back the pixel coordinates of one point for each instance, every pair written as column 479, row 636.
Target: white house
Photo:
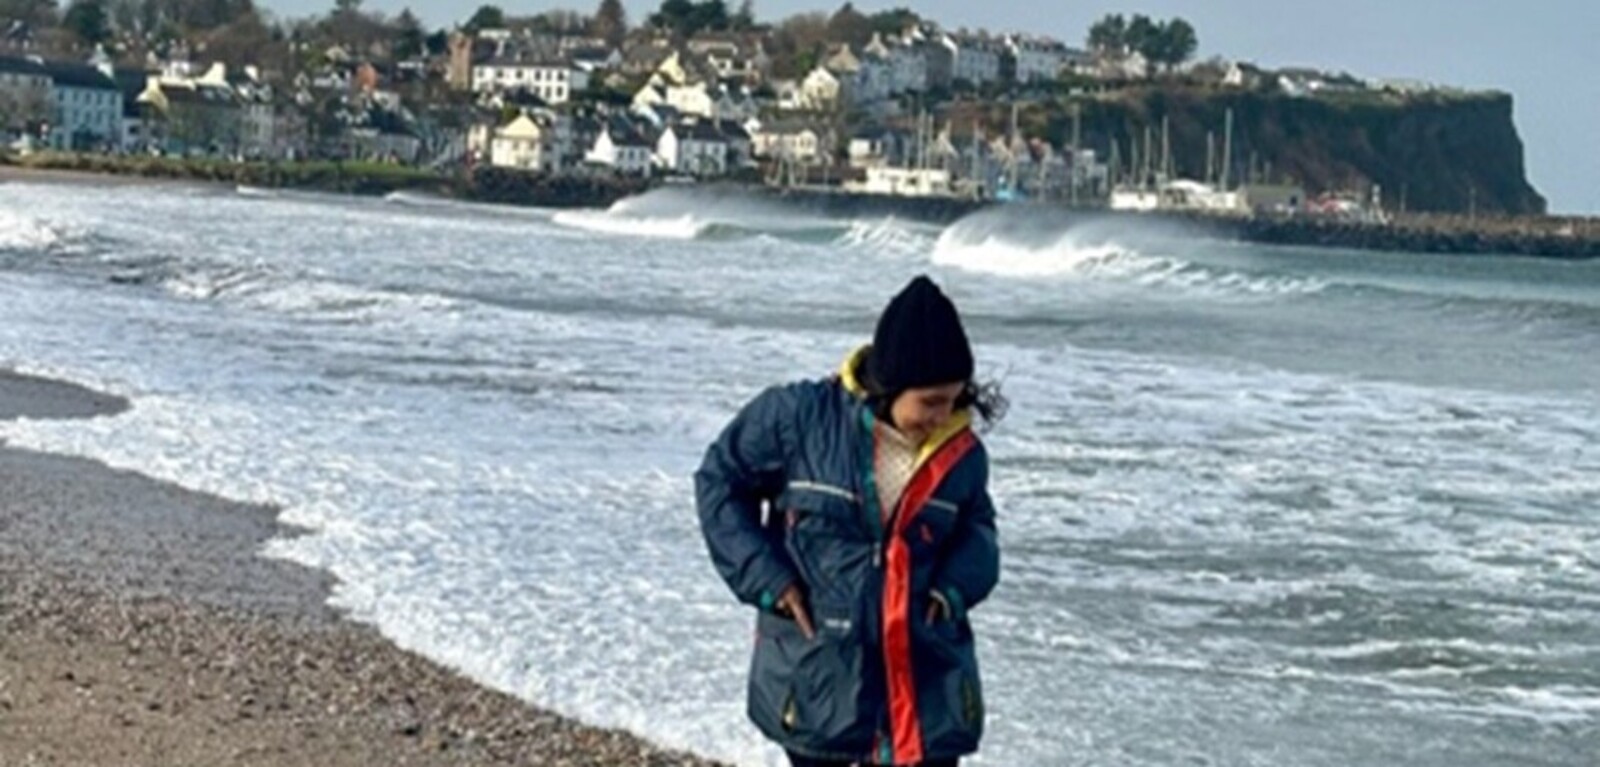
column 1037, row 59
column 87, row 107
column 1237, row 76
column 741, row 147
column 974, row 61
column 1404, row 86
column 873, row 148
column 843, row 61
column 908, row 63
column 822, row 90
column 677, row 69
column 597, row 59
column 1133, row 66
column 938, row 61
column 622, row 147
column 260, row 135
column 1300, row 83
column 695, row 148
column 873, row 81
column 191, row 114
column 789, row 95
column 697, row 99
column 904, row 182
column 524, row 143
column 732, row 59
column 1079, row 62
column 713, row 102
column 480, row 140
column 791, row 141
column 554, row 82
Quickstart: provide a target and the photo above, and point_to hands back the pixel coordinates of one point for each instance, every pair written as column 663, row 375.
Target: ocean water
column 1258, row 506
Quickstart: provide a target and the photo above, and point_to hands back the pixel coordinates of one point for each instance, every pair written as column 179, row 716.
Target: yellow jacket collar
column 847, row 371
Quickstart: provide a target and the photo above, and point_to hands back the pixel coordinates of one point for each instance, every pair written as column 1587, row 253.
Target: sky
column 1544, row 52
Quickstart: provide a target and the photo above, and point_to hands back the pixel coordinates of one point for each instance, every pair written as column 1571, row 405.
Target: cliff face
column 1432, row 152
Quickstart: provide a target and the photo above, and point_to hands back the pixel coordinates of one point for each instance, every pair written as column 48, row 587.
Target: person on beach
column 854, row 512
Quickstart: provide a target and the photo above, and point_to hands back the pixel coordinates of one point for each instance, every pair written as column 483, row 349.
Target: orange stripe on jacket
column 904, row 723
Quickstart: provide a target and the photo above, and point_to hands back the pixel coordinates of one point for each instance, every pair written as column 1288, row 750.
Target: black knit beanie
column 919, row 341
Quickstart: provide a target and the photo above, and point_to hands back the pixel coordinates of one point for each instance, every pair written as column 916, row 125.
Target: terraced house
column 87, row 107
column 554, row 81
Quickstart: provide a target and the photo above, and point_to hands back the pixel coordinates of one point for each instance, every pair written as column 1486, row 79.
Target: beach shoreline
column 24, row 174
column 484, row 184
column 139, row 625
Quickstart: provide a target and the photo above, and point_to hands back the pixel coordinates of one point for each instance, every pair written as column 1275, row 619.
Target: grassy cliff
column 1439, row 152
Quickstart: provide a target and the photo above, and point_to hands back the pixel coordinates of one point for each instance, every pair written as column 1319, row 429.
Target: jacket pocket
column 827, row 540
column 949, row 690
column 807, row 693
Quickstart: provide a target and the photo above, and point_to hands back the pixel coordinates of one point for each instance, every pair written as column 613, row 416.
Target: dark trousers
column 805, row 761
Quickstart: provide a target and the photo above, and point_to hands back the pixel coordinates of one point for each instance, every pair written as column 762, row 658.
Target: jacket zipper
column 870, row 496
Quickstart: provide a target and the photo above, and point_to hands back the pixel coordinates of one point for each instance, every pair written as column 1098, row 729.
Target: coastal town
column 886, row 104
column 682, row 383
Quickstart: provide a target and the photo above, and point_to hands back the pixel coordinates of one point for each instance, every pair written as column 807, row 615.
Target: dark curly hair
column 982, row 397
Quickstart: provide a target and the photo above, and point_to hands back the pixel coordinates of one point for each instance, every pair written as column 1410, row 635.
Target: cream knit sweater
column 893, row 465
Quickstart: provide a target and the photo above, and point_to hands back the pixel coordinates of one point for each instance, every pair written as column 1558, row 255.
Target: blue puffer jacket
column 786, row 496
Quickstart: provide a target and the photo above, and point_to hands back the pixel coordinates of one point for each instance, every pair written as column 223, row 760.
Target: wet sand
column 139, row 626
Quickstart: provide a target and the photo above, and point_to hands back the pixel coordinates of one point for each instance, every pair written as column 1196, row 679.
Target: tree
column 894, row 22
column 486, row 17
column 560, row 22
column 710, row 14
column 1178, row 43
column 39, row 13
column 673, row 15
column 125, row 16
column 1109, row 35
column 805, row 61
column 795, row 42
column 23, row 109
column 408, row 35
column 88, row 21
column 247, row 41
column 610, row 23
column 849, row 25
column 685, row 18
column 438, row 43
column 364, row 34
column 147, row 16
column 151, row 17
column 745, row 19
column 1144, row 36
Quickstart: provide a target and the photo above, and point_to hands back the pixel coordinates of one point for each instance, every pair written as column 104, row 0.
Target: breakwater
column 1540, row 236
